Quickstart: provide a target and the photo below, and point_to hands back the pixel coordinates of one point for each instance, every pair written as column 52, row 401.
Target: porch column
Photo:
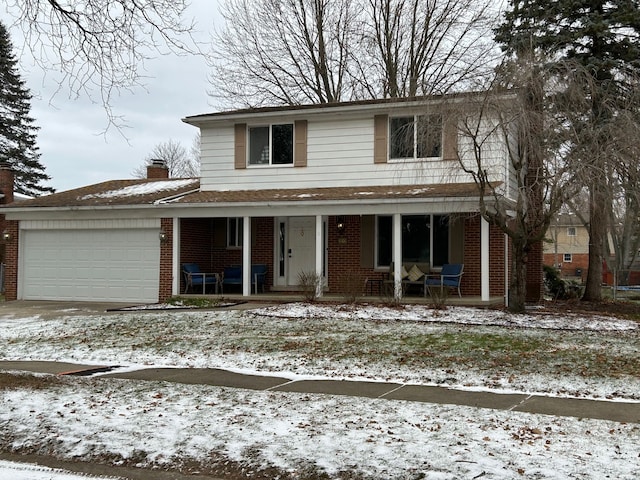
column 397, row 256
column 319, row 256
column 246, row 256
column 484, row 260
column 175, row 286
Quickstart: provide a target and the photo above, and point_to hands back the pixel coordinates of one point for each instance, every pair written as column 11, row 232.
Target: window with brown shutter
column 380, row 138
column 450, row 138
column 300, row 152
column 240, row 151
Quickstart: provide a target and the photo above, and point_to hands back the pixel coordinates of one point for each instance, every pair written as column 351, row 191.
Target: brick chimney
column 6, row 183
column 157, row 169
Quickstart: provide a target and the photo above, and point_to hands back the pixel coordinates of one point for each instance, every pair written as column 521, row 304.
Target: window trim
column 566, row 256
column 572, row 229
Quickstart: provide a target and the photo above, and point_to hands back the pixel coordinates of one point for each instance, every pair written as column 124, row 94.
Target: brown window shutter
column 300, row 150
column 219, row 232
column 367, row 240
column 450, row 138
column 380, row 138
column 240, row 160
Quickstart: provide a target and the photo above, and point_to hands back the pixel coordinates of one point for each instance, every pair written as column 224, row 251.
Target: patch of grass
column 15, row 381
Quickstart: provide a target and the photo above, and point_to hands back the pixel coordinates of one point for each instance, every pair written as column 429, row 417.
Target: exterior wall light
column 340, row 224
column 6, row 236
column 163, row 236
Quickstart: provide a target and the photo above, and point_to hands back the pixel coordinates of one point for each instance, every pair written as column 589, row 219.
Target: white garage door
column 120, row 265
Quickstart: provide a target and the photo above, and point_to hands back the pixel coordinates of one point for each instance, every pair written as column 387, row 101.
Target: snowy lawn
column 287, row 435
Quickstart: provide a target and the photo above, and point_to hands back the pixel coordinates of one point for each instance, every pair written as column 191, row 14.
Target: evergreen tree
column 602, row 38
column 17, row 129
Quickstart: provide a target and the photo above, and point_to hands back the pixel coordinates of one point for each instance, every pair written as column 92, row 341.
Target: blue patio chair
column 450, row 277
column 193, row 277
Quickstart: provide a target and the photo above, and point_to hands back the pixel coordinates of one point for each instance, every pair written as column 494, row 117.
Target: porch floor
column 281, row 297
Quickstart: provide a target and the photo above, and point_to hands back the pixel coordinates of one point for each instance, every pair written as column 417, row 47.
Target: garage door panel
column 99, row 265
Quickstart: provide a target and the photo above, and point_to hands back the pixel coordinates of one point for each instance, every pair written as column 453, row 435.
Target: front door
column 301, row 253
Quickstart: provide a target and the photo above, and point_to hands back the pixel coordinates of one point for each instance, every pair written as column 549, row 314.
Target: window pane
column 429, row 136
column 440, row 240
column 282, row 144
column 401, row 137
column 259, row 146
column 281, row 249
column 384, row 241
column 416, row 238
column 232, row 232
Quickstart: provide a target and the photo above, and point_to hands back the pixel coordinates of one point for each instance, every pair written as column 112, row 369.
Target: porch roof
column 334, row 194
column 113, row 193
column 185, row 194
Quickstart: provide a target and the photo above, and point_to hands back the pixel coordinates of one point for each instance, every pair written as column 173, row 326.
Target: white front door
column 302, row 247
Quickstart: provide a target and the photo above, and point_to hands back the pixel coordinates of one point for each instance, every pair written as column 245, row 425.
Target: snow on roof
column 142, row 189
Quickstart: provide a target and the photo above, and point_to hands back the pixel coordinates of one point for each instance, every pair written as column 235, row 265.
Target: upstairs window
column 271, row 145
column 415, row 137
column 571, row 231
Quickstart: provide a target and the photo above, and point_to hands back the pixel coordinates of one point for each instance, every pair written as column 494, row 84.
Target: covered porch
column 342, row 238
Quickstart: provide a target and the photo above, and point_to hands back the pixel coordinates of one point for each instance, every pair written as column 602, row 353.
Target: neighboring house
column 568, row 246
column 344, row 190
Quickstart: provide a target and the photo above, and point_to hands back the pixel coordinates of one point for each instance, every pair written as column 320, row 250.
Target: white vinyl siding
column 339, row 154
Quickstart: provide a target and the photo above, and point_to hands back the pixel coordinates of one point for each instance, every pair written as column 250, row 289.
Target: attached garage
column 110, row 261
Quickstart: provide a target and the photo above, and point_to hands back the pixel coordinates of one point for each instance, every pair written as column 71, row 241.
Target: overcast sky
column 73, row 149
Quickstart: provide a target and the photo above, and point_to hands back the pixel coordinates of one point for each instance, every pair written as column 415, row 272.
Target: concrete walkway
column 626, row 412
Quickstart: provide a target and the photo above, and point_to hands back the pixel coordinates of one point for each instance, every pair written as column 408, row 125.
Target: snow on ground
column 21, row 471
column 159, row 424
column 460, row 315
column 185, row 339
column 155, row 423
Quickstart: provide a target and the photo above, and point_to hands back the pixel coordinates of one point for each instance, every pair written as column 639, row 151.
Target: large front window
column 425, row 239
column 271, row 145
column 415, row 137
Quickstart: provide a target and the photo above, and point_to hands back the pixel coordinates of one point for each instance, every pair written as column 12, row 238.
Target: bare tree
column 289, row 52
column 540, row 177
column 99, row 46
column 181, row 164
column 425, row 47
column 624, row 180
column 283, row 51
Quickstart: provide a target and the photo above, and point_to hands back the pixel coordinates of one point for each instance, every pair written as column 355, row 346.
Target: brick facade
column 203, row 243
column 472, row 278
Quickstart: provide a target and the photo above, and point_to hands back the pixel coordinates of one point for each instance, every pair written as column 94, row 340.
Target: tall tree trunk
column 518, row 280
column 597, row 237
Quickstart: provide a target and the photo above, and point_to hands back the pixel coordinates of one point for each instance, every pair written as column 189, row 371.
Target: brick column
column 11, row 260
column 166, row 260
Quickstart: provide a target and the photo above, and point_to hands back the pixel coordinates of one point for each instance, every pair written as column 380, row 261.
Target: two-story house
column 346, row 190
column 568, row 246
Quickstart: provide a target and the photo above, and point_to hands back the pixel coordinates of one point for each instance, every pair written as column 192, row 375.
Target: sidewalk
column 626, row 412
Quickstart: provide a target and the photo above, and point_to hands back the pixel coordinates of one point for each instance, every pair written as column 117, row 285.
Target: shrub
column 558, row 288
column 352, row 284
column 310, row 282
